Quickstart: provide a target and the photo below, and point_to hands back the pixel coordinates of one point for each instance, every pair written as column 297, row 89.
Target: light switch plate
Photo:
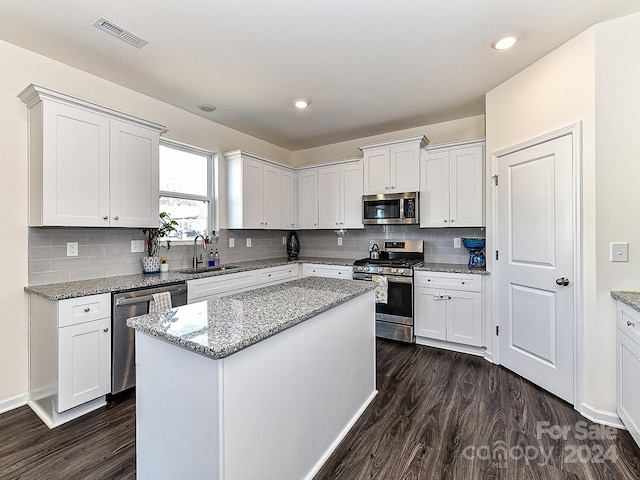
column 137, row 246
column 619, row 252
column 72, row 249
column 457, row 243
column 248, row 242
column 284, row 240
column 339, row 241
column 232, row 242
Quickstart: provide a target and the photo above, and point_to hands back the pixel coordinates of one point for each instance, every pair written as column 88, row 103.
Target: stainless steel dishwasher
column 126, row 305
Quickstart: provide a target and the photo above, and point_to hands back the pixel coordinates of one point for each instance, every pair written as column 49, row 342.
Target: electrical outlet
column 232, row 242
column 339, row 241
column 457, row 243
column 137, row 246
column 72, row 249
column 284, row 240
column 248, row 242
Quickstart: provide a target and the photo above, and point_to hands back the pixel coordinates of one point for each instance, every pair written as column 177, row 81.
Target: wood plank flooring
column 438, row 415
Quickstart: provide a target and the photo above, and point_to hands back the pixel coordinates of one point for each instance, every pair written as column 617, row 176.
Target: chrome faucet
column 195, row 250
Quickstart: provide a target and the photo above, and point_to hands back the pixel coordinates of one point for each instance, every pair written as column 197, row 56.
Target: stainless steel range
column 395, row 261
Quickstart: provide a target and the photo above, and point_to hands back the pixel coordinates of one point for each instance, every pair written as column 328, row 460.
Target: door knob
column 562, row 281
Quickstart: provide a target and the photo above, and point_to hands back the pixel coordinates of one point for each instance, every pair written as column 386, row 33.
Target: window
column 186, row 189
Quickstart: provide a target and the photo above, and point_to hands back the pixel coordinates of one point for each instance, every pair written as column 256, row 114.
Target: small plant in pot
column 151, row 263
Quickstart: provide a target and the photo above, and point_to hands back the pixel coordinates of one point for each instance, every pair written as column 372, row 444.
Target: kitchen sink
column 208, row 269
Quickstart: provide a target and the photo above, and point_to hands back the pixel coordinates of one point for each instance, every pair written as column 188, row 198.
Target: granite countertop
column 81, row 288
column 450, row 268
column 221, row 327
column 631, row 299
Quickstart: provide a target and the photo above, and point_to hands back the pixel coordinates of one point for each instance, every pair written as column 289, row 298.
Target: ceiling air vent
column 124, row 35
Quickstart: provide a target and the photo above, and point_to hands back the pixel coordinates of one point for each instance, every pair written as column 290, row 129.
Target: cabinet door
column 288, row 213
column 84, row 363
column 134, row 176
column 351, row 195
column 464, row 317
column 628, row 383
column 331, row 271
column 404, row 168
column 430, row 312
column 434, row 190
column 75, row 167
column 376, row 170
column 252, row 193
column 329, row 197
column 308, row 199
column 271, row 205
column 466, row 207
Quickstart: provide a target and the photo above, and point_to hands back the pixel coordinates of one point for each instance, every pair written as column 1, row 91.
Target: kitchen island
column 260, row 384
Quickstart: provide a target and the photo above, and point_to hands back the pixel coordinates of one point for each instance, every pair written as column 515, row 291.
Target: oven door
column 399, row 306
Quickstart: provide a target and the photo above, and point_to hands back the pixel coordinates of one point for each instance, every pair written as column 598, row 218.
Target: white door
column 404, row 168
column 434, row 190
column 253, row 194
column 536, row 255
column 271, row 204
column 308, row 199
column 351, row 196
column 329, row 193
column 376, row 171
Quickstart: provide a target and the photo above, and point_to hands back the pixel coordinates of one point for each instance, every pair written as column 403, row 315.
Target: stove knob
column 401, row 271
column 366, row 269
column 393, row 270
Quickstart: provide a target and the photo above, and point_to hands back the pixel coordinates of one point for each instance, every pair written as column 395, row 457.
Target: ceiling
column 368, row 66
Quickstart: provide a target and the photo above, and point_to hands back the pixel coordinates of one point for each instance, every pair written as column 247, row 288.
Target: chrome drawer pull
column 630, row 324
column 87, row 309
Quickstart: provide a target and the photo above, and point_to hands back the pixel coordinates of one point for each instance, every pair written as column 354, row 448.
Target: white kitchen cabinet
column 340, row 196
column 255, row 192
column 209, row 288
column 448, row 307
column 331, row 271
column 70, row 356
column 308, row 198
column 288, row 199
column 628, row 368
column 452, row 185
column 279, row 274
column 392, row 167
column 89, row 166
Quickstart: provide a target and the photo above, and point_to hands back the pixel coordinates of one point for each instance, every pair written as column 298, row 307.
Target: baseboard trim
column 13, row 402
column 341, row 436
column 603, row 417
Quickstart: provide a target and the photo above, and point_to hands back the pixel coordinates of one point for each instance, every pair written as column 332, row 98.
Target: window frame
column 211, row 196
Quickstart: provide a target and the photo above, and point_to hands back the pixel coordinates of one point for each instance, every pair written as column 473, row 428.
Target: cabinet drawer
column 333, row 271
column 629, row 321
column 73, row 311
column 220, row 285
column 454, row 281
column 278, row 274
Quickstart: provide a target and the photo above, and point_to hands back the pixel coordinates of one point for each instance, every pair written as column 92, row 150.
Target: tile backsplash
column 106, row 252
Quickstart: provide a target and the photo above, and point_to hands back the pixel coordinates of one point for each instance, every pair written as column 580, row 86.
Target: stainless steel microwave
column 390, row 208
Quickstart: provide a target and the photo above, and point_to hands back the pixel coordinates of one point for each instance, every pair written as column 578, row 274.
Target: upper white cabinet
column 452, row 185
column 288, row 199
column 340, row 196
column 308, row 198
column 393, row 167
column 89, row 166
column 259, row 192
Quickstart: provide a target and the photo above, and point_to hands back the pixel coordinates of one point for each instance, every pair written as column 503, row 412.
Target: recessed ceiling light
column 302, row 103
column 504, row 43
column 206, row 108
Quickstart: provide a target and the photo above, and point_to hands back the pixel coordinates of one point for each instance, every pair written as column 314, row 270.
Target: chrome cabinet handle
column 452, row 220
column 562, row 281
column 116, row 217
column 105, row 217
column 105, row 330
column 630, row 324
column 87, row 309
column 445, row 221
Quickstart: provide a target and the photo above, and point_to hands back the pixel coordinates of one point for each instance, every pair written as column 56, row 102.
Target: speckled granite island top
column 81, row 288
column 218, row 328
column 631, row 299
column 449, row 268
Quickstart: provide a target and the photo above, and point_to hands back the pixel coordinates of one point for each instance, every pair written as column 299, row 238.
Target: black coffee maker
column 293, row 245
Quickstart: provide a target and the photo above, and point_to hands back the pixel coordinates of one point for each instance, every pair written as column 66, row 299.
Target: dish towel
column 161, row 302
column 382, row 287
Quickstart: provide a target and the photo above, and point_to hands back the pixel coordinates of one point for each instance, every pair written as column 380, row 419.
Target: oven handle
column 390, row 278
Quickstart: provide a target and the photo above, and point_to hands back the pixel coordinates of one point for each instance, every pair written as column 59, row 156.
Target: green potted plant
column 151, row 263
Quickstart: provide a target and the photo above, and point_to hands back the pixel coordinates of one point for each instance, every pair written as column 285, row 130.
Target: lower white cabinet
column 628, row 369
column 448, row 307
column 69, row 356
column 273, row 275
column 321, row 270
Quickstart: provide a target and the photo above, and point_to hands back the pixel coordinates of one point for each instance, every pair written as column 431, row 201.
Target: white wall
column 617, row 187
column 557, row 91
column 461, row 129
column 19, row 68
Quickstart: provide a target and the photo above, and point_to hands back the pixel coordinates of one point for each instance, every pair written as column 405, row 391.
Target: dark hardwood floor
column 438, row 415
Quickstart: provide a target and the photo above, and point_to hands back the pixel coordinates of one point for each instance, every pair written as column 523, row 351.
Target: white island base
column 274, row 410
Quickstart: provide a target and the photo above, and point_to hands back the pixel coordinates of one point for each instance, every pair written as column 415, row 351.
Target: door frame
column 575, row 130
